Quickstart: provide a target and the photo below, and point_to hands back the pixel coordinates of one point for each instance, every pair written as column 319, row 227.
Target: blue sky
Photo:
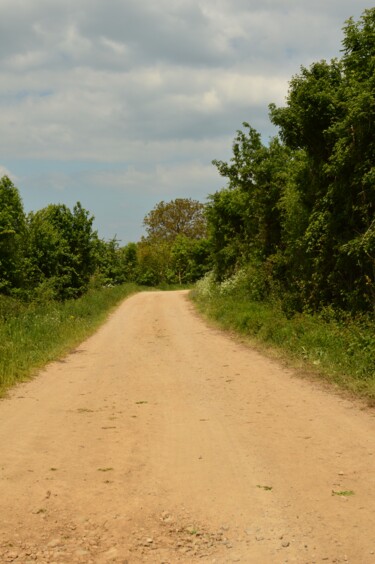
column 123, row 103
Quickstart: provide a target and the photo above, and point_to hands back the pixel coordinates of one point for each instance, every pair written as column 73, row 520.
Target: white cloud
column 157, row 89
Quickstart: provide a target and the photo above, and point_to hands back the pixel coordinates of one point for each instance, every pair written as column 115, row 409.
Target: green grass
column 339, row 349
column 33, row 334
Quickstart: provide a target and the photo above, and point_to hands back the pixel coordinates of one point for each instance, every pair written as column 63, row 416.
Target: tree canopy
column 302, row 208
column 182, row 216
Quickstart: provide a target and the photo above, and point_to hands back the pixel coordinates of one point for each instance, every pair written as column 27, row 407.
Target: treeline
column 55, row 253
column 298, row 215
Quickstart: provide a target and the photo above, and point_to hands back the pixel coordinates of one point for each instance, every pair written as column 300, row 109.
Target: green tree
column 190, row 258
column 330, row 114
column 61, row 250
column 182, row 216
column 173, row 250
column 154, row 265
column 244, row 218
column 115, row 264
column 12, row 237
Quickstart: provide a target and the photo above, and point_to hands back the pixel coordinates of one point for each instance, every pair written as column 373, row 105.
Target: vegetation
column 293, row 232
column 176, row 248
column 58, row 279
column 289, row 242
column 35, row 333
column 334, row 345
column 301, row 210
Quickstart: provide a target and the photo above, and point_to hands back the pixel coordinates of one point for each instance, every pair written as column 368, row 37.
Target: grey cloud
column 148, row 85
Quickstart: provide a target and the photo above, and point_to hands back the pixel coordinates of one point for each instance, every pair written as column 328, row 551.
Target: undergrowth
column 33, row 334
column 333, row 344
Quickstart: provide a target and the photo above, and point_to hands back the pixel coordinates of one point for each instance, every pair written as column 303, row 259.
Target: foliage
column 333, row 344
column 54, row 253
column 115, row 264
column 301, row 210
column 245, row 218
column 175, row 249
column 12, row 236
column 61, row 247
column 182, row 216
column 33, row 334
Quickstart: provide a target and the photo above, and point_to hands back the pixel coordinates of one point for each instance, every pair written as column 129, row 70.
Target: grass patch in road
column 344, row 493
column 336, row 347
column 31, row 335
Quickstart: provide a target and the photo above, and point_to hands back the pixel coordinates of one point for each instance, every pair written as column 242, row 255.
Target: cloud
column 154, row 89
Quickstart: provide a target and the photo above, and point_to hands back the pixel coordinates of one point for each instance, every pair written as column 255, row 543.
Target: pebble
column 111, row 553
column 54, row 542
column 81, row 552
column 285, row 544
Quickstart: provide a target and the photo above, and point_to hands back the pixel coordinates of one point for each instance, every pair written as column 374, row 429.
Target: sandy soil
column 163, row 440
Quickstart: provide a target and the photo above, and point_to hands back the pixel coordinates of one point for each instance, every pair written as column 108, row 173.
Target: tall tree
column 175, row 249
column 62, row 247
column 182, row 216
column 244, row 218
column 330, row 113
column 12, row 237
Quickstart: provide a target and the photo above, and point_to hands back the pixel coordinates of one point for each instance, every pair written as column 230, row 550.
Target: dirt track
column 158, row 440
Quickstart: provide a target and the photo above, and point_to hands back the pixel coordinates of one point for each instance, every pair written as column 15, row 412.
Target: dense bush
column 302, row 209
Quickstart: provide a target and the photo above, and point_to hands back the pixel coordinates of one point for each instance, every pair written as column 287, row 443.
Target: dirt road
column 163, row 440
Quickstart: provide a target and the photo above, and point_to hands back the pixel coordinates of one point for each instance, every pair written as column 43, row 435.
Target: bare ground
column 161, row 439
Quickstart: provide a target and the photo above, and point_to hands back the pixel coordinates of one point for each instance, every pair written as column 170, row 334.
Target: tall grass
column 33, row 334
column 333, row 345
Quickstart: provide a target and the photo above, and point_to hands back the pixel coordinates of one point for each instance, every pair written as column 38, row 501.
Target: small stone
column 81, row 552
column 111, row 553
column 53, row 543
column 285, row 544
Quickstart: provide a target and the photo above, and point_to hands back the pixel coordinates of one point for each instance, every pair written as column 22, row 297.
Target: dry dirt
column 163, row 440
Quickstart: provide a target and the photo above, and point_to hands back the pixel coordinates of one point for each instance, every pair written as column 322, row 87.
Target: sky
column 120, row 104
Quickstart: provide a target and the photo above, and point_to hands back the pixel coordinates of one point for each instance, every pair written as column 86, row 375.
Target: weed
column 344, row 493
column 331, row 344
column 33, row 334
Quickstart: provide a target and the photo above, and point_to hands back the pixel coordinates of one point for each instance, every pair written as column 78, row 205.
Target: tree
column 61, row 249
column 190, row 258
column 115, row 264
column 244, row 218
column 175, row 249
column 12, row 237
column 330, row 114
column 182, row 216
column 154, row 262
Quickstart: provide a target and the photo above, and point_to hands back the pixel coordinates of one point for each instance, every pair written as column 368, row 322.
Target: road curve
column 163, row 440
